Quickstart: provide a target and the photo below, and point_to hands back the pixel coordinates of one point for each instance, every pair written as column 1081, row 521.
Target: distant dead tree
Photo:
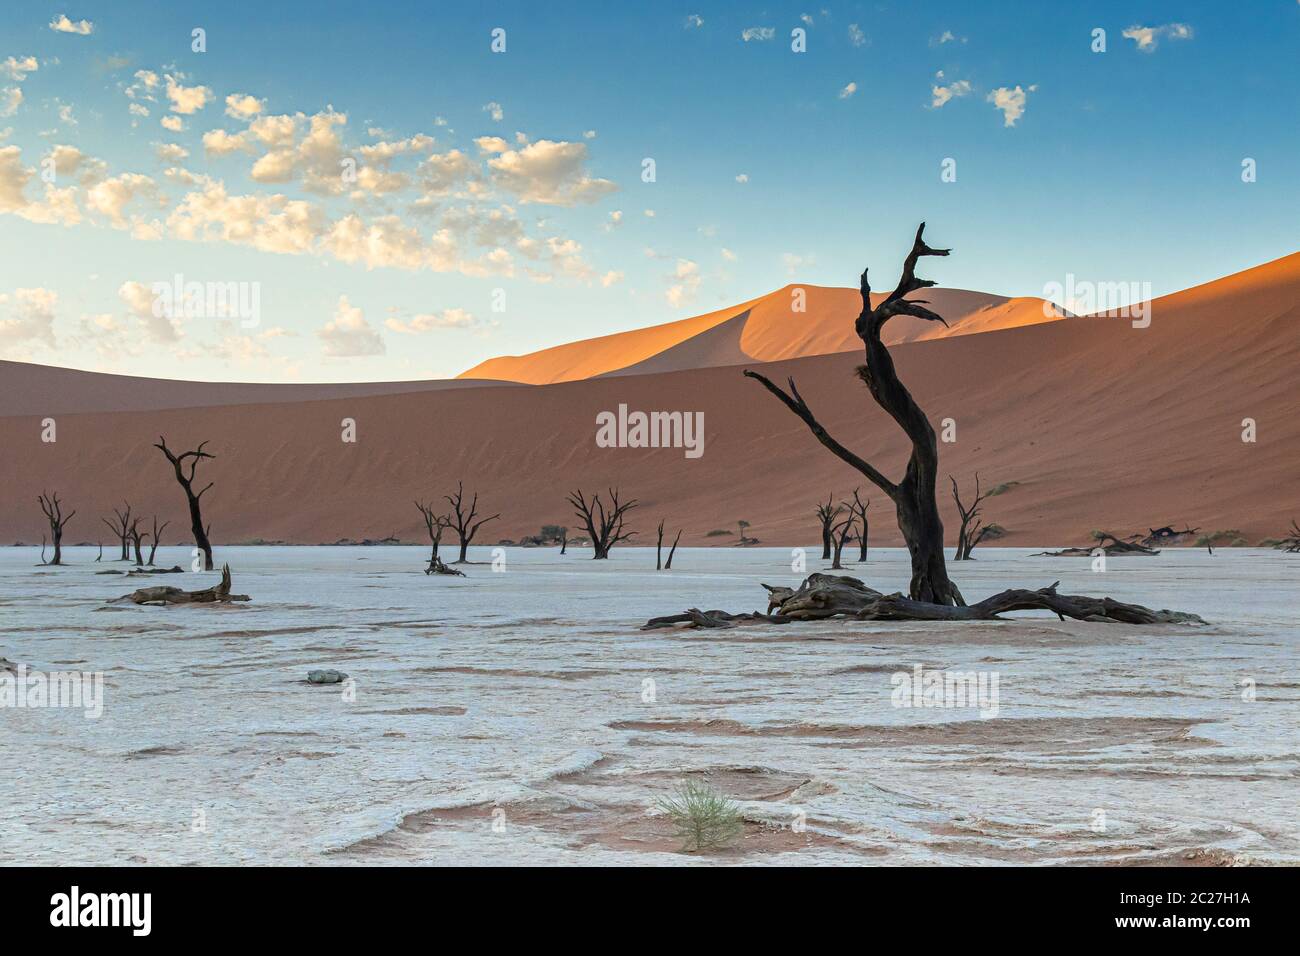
column 153, row 538
column 100, row 557
column 859, row 509
column 826, row 515
column 187, row 483
column 121, row 527
column 659, row 550
column 840, row 535
column 604, row 526
column 53, row 509
column 972, row 530
column 564, row 539
column 464, row 523
column 135, row 534
column 914, row 494
column 436, row 524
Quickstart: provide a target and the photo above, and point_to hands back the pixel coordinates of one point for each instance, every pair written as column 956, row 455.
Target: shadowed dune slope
column 1101, row 424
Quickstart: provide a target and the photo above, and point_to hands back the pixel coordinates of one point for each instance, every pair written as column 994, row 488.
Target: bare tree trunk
column 120, row 529
column 187, row 484
column 153, row 540
column 826, row 515
column 53, row 509
column 135, row 536
column 841, row 534
column 659, row 548
column 668, row 565
column 464, row 524
column 972, row 529
column 858, row 508
column 436, row 525
column 913, row 496
column 564, row 542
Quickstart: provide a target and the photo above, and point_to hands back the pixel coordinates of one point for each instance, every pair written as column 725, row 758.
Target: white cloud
column 17, row 68
column 170, row 152
column 271, row 223
column 31, row 317
column 427, row 322
column 856, row 36
column 218, row 142
column 694, row 21
column 611, row 278
column 742, row 178
column 173, row 123
column 494, row 110
column 111, row 197
column 160, row 326
column 942, row 94
column 548, row 172
column 1011, row 102
column 348, row 334
column 243, row 107
column 793, row 263
column 848, row 91
column 1148, row 38
column 11, row 97
column 729, row 255
column 686, row 283
column 757, row 33
column 61, row 24
column 946, row 37
column 186, row 99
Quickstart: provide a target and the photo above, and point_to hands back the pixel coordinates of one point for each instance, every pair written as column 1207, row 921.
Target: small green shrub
column 704, row 818
column 717, row 533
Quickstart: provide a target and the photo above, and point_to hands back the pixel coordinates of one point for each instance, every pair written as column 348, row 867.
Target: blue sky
column 498, row 204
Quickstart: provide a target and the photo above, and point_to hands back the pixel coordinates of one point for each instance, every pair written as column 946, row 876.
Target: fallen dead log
column 823, row 596
column 1116, row 546
column 163, row 595
column 438, row 566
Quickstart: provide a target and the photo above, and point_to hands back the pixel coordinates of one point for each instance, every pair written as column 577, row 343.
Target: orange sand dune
column 793, row 322
column 1101, row 424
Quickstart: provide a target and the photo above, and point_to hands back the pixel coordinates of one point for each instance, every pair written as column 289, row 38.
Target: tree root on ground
column 826, row 595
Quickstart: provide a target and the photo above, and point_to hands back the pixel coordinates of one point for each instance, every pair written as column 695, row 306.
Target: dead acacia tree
column 153, row 539
column 604, row 525
column 53, row 509
column 913, row 495
column 972, row 530
column 436, row 524
column 826, row 514
column 465, row 525
column 932, row 595
column 121, row 527
column 186, row 480
column 840, row 534
column 659, row 549
column 858, row 508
